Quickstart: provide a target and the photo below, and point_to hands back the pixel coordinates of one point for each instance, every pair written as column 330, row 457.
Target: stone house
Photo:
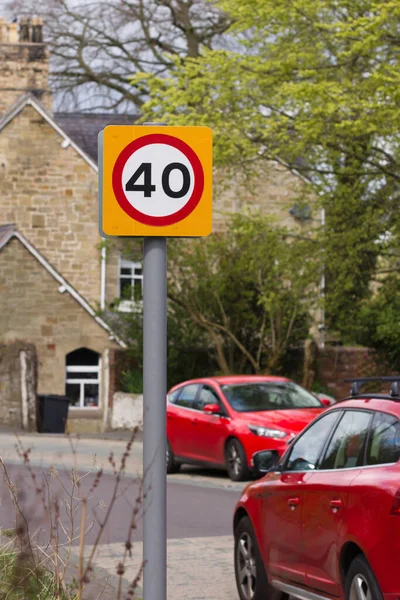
column 55, row 270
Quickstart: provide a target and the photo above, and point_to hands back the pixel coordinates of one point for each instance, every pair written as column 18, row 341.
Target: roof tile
column 83, row 128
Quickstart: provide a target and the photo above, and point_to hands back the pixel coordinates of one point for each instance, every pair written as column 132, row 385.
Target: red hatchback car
column 324, row 522
column 223, row 421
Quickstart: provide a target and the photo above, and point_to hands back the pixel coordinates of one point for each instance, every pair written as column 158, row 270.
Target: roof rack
column 358, row 382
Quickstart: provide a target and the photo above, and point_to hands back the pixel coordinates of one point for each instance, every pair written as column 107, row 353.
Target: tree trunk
column 309, row 365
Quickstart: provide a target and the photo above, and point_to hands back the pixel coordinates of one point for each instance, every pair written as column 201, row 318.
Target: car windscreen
column 249, row 397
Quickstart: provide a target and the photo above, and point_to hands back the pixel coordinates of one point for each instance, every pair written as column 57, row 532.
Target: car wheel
column 172, row 465
column 251, row 578
column 236, row 461
column 360, row 581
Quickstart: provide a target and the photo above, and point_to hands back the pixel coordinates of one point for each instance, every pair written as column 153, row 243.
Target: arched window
column 83, row 378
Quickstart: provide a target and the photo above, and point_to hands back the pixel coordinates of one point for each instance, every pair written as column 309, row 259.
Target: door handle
column 335, row 505
column 169, row 416
column 293, row 503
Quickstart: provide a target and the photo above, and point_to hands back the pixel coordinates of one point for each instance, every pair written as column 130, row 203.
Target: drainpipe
column 103, row 278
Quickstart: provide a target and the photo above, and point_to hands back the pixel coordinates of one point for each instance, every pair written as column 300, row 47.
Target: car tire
column 360, row 575
column 251, row 578
column 236, row 461
column 172, row 465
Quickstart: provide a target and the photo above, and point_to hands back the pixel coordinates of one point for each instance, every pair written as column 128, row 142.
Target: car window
column 174, row 395
column 384, row 440
column 268, row 395
column 207, row 396
column 187, row 396
column 346, row 447
column 307, row 448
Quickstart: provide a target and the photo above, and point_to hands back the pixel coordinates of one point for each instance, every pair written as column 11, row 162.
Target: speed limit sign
column 155, row 181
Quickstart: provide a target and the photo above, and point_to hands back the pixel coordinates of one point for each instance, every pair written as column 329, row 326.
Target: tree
column 250, row 290
column 312, row 84
column 315, row 84
column 98, row 48
column 188, row 351
column 378, row 323
column 237, row 301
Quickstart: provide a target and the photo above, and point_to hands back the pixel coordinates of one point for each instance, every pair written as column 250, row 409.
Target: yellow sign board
column 155, row 181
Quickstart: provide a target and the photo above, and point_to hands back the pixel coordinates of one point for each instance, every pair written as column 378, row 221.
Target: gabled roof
column 30, row 100
column 7, row 232
column 83, row 128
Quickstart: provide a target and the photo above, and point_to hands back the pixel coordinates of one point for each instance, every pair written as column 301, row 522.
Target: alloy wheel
column 234, row 459
column 246, row 566
column 360, row 589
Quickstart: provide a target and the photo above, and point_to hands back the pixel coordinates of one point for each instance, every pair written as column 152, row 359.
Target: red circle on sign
column 137, row 215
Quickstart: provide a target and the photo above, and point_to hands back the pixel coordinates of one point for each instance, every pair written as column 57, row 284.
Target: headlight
column 265, row 432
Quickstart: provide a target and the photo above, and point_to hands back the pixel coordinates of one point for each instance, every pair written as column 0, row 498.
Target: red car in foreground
column 223, row 421
column 324, row 522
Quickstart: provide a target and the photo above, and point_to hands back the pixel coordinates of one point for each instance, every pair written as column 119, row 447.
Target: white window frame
column 129, row 305
column 82, row 381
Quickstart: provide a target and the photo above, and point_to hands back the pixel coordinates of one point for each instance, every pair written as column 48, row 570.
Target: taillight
column 396, row 504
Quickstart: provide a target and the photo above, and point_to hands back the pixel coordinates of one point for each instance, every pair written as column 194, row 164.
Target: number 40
column 147, row 187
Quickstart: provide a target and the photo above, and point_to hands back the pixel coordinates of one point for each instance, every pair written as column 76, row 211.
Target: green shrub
column 21, row 578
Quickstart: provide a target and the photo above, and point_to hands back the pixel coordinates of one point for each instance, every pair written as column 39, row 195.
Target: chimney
column 24, row 62
column 24, row 29
column 37, row 30
column 12, row 33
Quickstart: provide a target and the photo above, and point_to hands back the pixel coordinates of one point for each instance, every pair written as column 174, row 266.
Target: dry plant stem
column 60, row 566
column 73, row 498
column 56, row 547
column 118, row 474
column 82, row 548
column 128, row 543
column 16, row 504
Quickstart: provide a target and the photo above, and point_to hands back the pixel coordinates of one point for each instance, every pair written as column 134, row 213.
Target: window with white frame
column 83, row 374
column 130, row 282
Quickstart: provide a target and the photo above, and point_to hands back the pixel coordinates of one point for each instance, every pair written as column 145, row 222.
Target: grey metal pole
column 154, row 418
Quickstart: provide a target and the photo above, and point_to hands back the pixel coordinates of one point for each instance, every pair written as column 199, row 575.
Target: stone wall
column 127, row 411
column 18, row 381
column 331, row 365
column 336, row 363
column 50, row 193
column 33, row 307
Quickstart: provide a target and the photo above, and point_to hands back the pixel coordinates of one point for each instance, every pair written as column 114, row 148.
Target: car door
column 210, row 431
column 283, row 503
column 180, row 414
column 373, row 515
column 325, row 499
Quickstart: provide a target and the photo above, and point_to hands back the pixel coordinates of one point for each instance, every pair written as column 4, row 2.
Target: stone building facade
column 55, row 269
column 18, row 379
column 41, row 306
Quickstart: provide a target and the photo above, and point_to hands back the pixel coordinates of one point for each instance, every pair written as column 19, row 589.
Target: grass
column 22, row 579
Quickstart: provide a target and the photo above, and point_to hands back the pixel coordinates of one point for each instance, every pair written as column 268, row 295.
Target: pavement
column 197, row 568
column 200, row 506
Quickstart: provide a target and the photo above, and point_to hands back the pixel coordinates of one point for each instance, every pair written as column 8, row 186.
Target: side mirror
column 325, row 402
column 212, row 409
column 265, row 461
